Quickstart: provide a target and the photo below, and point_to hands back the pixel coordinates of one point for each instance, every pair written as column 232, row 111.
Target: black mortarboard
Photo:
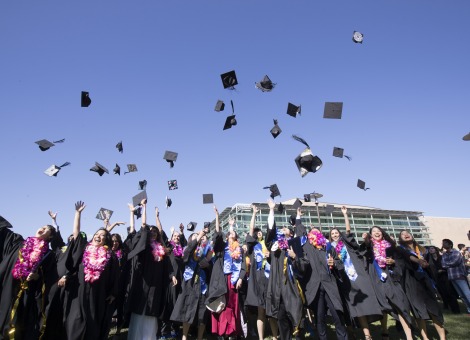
column 230, row 121
column 265, row 85
column 361, row 185
column 329, row 208
column 280, row 208
column 44, row 144
column 207, row 225
column 229, row 80
column 274, row 190
column 138, row 198
column 104, row 214
column 53, row 170
column 293, row 110
column 333, row 110
column 296, row 244
column 307, row 198
column 219, row 106
column 170, row 157
column 131, row 168
column 117, row 170
column 358, row 37
column 276, row 130
column 168, row 202
column 85, row 99
column 207, row 198
column 339, row 152
column 172, row 184
column 306, row 162
column 297, row 204
column 119, row 147
column 142, row 184
column 99, row 169
column 466, row 137
column 191, row 226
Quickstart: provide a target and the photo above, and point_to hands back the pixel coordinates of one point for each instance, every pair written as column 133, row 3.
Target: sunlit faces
column 115, row 243
column 334, row 234
column 286, row 231
column 406, row 236
column 259, row 235
column 376, row 234
column 99, row 238
column 432, row 250
column 154, row 233
column 44, row 233
column 232, row 235
column 176, row 237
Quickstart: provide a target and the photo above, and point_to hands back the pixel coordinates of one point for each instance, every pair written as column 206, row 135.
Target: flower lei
column 341, row 250
column 316, row 239
column 95, row 259
column 118, row 254
column 177, row 249
column 282, row 241
column 158, row 251
column 379, row 251
column 234, row 249
column 29, row 257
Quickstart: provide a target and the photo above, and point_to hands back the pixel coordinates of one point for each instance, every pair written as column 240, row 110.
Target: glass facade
column 360, row 218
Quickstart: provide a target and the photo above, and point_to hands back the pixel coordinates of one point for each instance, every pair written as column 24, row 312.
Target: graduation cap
column 131, row 168
column 296, row 244
column 361, row 185
column 297, row 204
column 142, row 184
column 53, row 170
column 191, row 226
column 265, row 85
column 293, row 110
column 219, row 106
column 85, row 99
column 117, row 170
column 229, row 80
column 333, row 110
column 280, row 208
column 329, row 208
column 170, row 157
column 339, row 152
column 276, row 130
column 230, row 121
column 306, row 162
column 307, row 198
column 99, row 169
column 44, row 144
column 168, row 202
column 136, row 203
column 357, row 37
column 207, row 198
column 207, row 225
column 119, row 147
column 274, row 190
column 172, row 184
column 104, row 214
column 466, row 137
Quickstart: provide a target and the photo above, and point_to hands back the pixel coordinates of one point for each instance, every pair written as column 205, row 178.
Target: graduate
column 354, row 283
column 418, row 285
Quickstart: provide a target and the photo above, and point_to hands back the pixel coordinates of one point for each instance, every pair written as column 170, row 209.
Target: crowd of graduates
column 287, row 280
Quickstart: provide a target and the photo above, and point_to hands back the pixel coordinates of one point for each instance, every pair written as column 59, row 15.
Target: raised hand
column 291, row 253
column 52, row 214
column 344, row 210
column 255, row 209
column 215, row 210
column 79, row 206
column 271, row 204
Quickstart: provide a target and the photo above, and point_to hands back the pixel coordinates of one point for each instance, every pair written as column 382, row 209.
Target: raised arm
column 79, row 206
column 115, row 224
column 157, row 221
column 143, row 203
column 252, row 223
column 344, row 210
column 131, row 219
column 271, row 206
column 217, row 224
column 53, row 215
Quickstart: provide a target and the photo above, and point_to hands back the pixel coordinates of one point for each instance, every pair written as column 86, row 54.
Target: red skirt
column 228, row 322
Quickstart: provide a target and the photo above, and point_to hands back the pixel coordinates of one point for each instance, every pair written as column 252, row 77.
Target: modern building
column 328, row 215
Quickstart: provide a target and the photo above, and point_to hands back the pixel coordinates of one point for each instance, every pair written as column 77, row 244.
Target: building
column 453, row 228
column 361, row 218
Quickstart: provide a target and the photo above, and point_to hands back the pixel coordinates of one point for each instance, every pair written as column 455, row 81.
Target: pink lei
column 94, row 261
column 29, row 257
column 316, row 239
column 379, row 251
column 118, row 254
column 158, row 251
column 339, row 246
column 177, row 249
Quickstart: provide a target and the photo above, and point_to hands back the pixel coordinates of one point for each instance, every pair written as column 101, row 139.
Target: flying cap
column 207, row 198
column 307, row 198
column 265, row 85
column 276, row 130
column 131, row 168
column 466, row 137
column 170, row 157
column 229, row 80
column 293, row 110
column 168, row 202
column 361, row 185
column 104, row 214
column 100, row 169
column 357, row 37
column 142, row 184
column 172, row 184
column 230, row 120
column 339, row 152
column 306, row 162
column 191, row 226
column 85, row 99
column 207, row 225
column 117, row 170
column 44, row 144
column 297, row 204
column 329, row 208
column 138, row 198
column 274, row 190
column 219, row 106
column 53, row 170
column 119, row 147
column 280, row 208
column 333, row 110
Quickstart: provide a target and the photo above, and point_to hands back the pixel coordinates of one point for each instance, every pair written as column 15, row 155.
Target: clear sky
column 153, row 72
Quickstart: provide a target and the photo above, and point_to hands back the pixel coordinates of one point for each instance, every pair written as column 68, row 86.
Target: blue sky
column 153, row 72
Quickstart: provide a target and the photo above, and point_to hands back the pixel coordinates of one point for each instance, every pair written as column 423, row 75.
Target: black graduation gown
column 359, row 294
column 419, row 289
column 147, row 277
column 390, row 294
column 257, row 282
column 190, row 303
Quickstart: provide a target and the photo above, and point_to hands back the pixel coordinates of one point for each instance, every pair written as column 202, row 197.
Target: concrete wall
column 455, row 229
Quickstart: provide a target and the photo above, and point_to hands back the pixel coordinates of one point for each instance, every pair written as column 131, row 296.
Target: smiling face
column 406, row 237
column 176, row 238
column 99, row 239
column 334, row 234
column 116, row 243
column 44, row 233
column 259, row 234
column 376, row 234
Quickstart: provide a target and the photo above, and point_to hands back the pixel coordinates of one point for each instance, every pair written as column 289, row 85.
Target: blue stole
column 190, row 267
column 346, row 259
column 259, row 256
column 232, row 266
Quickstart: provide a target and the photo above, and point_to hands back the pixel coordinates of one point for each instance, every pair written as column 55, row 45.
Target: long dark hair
column 385, row 235
column 108, row 241
column 415, row 244
column 119, row 240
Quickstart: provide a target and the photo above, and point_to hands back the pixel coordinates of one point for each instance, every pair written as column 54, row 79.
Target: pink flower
column 379, row 251
column 29, row 257
column 316, row 239
column 158, row 251
column 95, row 259
column 177, row 249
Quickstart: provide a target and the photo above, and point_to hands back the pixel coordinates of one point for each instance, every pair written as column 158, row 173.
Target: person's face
column 446, row 245
column 231, row 235
column 259, row 234
column 176, row 238
column 334, row 235
column 377, row 234
column 153, row 233
column 432, row 250
column 99, row 238
column 115, row 243
column 44, row 233
column 204, row 239
column 406, row 236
